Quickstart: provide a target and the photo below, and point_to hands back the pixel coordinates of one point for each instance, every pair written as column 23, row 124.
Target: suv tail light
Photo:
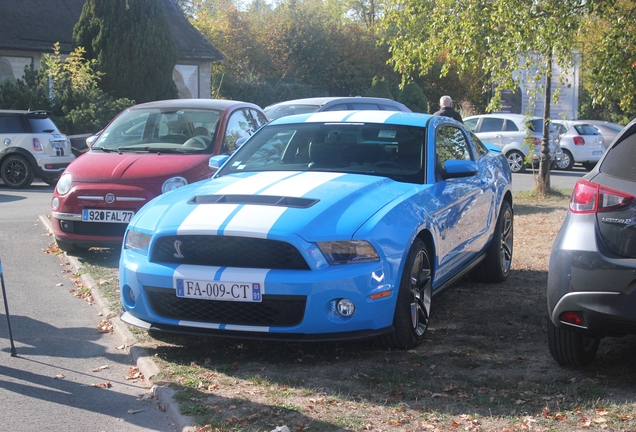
column 588, row 197
column 578, row 140
column 37, row 145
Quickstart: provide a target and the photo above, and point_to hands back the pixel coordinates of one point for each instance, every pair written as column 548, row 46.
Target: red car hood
column 138, row 168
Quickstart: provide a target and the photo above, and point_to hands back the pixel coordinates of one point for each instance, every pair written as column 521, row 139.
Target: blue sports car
column 324, row 226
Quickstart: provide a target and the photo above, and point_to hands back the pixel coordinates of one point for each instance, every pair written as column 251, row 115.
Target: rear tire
column 570, row 348
column 567, row 161
column 516, row 161
column 16, row 172
column 413, row 308
column 496, row 266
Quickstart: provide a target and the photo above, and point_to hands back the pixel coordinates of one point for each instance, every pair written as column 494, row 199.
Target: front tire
column 496, row 266
column 16, row 172
column 413, row 308
column 516, row 161
column 70, row 247
column 570, row 348
column 567, row 161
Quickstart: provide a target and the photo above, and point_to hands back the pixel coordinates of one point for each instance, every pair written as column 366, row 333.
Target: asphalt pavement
column 66, row 374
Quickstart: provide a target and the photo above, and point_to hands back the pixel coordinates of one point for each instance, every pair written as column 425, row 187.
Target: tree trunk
column 543, row 180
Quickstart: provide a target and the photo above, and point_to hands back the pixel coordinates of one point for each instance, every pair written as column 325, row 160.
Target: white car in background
column 609, row 130
column 515, row 135
column 581, row 143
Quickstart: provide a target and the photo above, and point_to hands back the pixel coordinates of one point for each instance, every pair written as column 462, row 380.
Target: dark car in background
column 319, row 104
column 592, row 273
column 146, row 150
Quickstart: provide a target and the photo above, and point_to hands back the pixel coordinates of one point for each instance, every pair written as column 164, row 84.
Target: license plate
column 107, row 216
column 225, row 291
column 59, row 144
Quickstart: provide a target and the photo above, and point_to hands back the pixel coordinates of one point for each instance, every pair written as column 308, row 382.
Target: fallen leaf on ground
column 101, row 368
column 103, row 385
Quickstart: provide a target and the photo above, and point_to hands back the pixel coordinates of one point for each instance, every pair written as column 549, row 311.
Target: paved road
column 51, row 384
column 562, row 180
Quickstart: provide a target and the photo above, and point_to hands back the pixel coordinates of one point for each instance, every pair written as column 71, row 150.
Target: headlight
column 138, row 241
column 173, row 183
column 64, row 184
column 344, row 252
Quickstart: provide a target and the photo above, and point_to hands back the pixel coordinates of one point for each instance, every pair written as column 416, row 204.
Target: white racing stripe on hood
column 206, row 219
column 301, row 184
column 258, row 220
column 252, row 184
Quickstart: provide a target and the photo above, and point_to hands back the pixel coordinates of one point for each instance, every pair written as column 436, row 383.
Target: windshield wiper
column 106, row 149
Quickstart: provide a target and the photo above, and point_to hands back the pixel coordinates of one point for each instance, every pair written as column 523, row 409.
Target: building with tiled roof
column 30, row 28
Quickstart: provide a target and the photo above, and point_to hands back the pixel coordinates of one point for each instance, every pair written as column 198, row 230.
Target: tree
column 68, row 88
column 413, row 97
column 492, row 37
column 609, row 59
column 379, row 88
column 132, row 44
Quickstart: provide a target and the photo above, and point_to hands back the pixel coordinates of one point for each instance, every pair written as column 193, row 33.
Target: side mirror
column 217, row 162
column 91, row 140
column 454, row 168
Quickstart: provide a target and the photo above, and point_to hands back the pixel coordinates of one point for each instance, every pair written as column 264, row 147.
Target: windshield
column 376, row 149
column 181, row 131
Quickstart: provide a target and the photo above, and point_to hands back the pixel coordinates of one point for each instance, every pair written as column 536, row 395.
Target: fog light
column 345, row 307
column 129, row 296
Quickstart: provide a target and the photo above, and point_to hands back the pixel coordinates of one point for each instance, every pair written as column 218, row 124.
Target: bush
column 379, row 88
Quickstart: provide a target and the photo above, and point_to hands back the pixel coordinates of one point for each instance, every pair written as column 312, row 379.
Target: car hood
column 317, row 206
column 135, row 168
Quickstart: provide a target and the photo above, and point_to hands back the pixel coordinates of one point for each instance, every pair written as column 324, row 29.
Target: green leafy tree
column 413, row 97
column 379, row 88
column 491, row 36
column 132, row 44
column 68, row 88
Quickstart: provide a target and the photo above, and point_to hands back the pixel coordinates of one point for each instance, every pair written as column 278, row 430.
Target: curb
column 140, row 356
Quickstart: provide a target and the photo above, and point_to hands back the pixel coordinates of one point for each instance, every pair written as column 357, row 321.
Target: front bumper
column 297, row 304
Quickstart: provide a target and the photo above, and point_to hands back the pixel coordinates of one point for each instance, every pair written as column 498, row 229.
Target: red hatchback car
column 146, row 150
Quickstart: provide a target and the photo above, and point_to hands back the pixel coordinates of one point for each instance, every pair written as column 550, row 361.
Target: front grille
column 274, row 310
column 93, row 228
column 227, row 251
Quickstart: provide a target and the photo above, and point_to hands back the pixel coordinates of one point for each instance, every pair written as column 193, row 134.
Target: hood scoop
column 269, row 200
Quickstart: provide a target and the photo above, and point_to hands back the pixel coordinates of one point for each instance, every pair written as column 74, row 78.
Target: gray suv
column 31, row 146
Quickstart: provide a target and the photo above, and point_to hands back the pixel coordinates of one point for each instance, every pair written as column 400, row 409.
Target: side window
column 11, row 124
column 511, row 126
column 365, row 106
column 241, row 124
column 451, row 144
column 259, row 117
column 338, row 107
column 491, row 124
